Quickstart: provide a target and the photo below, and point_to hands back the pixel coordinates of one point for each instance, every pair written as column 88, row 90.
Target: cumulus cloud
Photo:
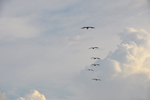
column 134, row 52
column 33, row 95
column 125, row 73
column 43, row 57
column 3, row 96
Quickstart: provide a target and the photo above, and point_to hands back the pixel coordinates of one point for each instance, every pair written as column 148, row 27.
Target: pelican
column 87, row 27
column 95, row 64
column 95, row 58
column 90, row 69
column 96, row 79
column 94, row 48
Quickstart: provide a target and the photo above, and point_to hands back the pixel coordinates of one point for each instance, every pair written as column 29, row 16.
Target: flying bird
column 95, row 64
column 95, row 58
column 96, row 79
column 94, row 48
column 87, row 27
column 90, row 69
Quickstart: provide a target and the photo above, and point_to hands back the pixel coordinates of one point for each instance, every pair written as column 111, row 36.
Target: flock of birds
column 96, row 79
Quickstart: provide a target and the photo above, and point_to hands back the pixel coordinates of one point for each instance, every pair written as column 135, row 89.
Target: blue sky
column 44, row 52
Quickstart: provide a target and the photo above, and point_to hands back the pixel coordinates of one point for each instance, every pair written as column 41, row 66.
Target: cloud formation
column 40, row 57
column 3, row 96
column 33, row 95
column 125, row 73
column 133, row 54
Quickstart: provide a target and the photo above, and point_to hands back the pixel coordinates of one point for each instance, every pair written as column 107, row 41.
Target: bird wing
column 91, row 48
column 91, row 27
column 83, row 27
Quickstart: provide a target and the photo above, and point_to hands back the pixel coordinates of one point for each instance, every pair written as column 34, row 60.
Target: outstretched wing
column 91, row 48
column 96, row 47
column 99, row 79
column 91, row 70
column 92, row 27
column 83, row 27
column 98, row 58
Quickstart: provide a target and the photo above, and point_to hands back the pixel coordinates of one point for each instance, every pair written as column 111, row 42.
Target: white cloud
column 3, row 96
column 134, row 51
column 33, row 95
column 43, row 57
column 125, row 73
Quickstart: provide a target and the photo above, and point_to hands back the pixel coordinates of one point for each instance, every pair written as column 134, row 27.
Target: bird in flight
column 94, row 48
column 95, row 58
column 87, row 27
column 90, row 69
column 95, row 64
column 96, row 79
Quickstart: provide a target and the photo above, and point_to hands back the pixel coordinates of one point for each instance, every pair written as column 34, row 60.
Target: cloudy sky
column 44, row 53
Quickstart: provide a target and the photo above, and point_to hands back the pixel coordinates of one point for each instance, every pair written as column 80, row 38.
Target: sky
column 45, row 54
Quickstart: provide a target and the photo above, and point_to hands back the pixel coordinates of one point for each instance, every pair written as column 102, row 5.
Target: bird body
column 95, row 58
column 96, row 79
column 95, row 64
column 94, row 48
column 87, row 27
column 90, row 69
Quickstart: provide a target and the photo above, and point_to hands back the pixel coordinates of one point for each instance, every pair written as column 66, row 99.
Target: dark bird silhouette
column 90, row 69
column 95, row 58
column 95, row 64
column 87, row 27
column 96, row 79
column 94, row 48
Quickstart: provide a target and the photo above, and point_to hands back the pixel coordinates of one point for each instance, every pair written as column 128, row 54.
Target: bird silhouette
column 90, row 69
column 95, row 58
column 87, row 27
column 96, row 79
column 94, row 48
column 95, row 64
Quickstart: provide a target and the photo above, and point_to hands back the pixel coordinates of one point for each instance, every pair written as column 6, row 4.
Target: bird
column 87, row 27
column 96, row 79
column 95, row 64
column 95, row 58
column 94, row 48
column 90, row 69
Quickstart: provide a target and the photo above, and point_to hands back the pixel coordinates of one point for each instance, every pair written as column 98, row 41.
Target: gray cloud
column 3, row 96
